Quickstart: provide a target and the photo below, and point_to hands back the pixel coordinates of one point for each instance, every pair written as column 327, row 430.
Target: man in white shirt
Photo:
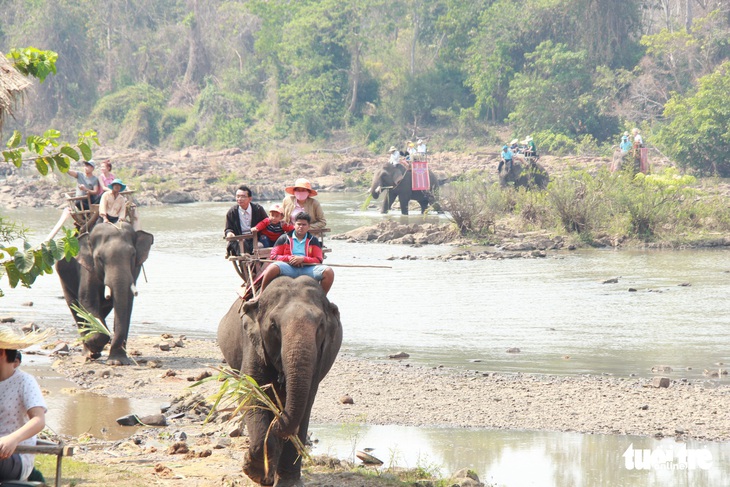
column 241, row 217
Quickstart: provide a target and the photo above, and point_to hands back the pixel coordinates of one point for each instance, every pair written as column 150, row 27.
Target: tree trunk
column 198, row 66
column 355, row 77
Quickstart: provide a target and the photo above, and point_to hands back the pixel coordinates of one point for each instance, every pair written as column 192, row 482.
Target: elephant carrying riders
column 298, row 253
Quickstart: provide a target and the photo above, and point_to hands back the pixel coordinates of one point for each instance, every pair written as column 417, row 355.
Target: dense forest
column 573, row 73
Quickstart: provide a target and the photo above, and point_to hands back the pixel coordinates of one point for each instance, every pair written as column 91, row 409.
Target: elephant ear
column 335, row 311
column 143, row 244
column 252, row 328
column 85, row 257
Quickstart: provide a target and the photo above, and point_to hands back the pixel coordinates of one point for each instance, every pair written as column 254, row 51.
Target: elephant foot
column 118, row 359
column 289, row 482
column 255, row 470
column 93, row 355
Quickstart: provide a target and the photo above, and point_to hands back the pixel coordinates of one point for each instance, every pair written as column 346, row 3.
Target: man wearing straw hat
column 22, row 408
column 113, row 205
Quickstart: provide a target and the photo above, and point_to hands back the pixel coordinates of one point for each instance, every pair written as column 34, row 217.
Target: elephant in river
column 395, row 181
column 288, row 338
column 103, row 277
column 525, row 173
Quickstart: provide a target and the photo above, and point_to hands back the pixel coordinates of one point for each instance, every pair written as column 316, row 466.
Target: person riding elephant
column 103, row 277
column 288, row 339
column 396, row 182
column 527, row 175
column 300, row 198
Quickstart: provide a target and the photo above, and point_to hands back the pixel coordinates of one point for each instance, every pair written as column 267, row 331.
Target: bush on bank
column 664, row 207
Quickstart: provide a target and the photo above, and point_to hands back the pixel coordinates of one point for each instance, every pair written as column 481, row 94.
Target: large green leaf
column 13, row 274
column 24, row 261
column 70, row 152
column 41, row 165
column 85, row 150
column 15, row 140
column 55, row 250
column 62, row 163
column 16, row 156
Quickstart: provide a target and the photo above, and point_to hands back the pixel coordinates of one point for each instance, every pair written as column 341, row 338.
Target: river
column 465, row 314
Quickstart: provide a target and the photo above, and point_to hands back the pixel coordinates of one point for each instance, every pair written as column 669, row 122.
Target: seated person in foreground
column 113, row 206
column 271, row 228
column 298, row 253
column 22, row 408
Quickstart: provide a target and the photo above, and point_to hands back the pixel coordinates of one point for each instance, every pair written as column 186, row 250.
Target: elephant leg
column 257, row 424
column 289, row 471
column 404, row 200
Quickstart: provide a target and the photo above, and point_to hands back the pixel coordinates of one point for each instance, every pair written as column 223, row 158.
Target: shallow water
column 463, row 314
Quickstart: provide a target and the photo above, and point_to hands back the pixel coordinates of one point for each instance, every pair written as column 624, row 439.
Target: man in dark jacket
column 242, row 216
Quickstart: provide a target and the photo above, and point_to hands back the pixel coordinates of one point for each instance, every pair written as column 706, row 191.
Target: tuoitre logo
column 677, row 458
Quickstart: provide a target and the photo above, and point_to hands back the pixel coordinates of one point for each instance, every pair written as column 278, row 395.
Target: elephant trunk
column 299, row 366
column 375, row 191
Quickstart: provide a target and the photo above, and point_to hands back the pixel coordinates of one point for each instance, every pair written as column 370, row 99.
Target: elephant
column 103, row 277
column 398, row 179
column 289, row 337
column 527, row 174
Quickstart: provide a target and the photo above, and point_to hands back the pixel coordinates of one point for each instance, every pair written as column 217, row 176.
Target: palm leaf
column 241, row 393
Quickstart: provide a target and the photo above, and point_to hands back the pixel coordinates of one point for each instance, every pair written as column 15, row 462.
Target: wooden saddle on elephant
column 249, row 265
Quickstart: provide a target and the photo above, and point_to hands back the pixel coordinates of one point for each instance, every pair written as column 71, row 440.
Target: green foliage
column 474, row 204
column 130, row 113
column 698, row 132
column 34, row 62
column 555, row 92
column 578, row 200
column 47, row 152
column 223, row 117
column 22, row 265
column 172, row 118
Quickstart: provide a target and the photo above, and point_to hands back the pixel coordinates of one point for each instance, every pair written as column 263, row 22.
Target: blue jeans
column 313, row 271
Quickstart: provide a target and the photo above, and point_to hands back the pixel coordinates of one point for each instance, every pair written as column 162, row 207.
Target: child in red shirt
column 271, row 228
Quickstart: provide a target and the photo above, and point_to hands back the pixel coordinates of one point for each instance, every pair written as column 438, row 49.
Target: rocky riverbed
column 386, row 392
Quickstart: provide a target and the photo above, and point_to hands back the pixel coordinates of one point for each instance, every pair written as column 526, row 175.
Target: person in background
column 87, row 183
column 301, row 199
column 271, row 228
column 395, row 155
column 530, row 147
column 625, row 145
column 113, row 205
column 638, row 140
column 411, row 150
column 241, row 217
column 506, row 159
column 22, row 408
column 106, row 176
column 421, row 147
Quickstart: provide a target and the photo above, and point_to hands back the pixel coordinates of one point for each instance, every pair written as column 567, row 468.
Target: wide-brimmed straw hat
column 420, row 141
column 276, row 208
column 514, row 141
column 301, row 183
column 11, row 340
column 392, row 149
column 119, row 182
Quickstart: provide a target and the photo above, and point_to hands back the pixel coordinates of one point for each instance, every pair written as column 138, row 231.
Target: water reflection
column 521, row 458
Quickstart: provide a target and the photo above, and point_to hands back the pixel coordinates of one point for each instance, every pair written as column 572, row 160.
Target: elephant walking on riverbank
column 396, row 182
column 527, row 174
column 103, row 277
column 288, row 338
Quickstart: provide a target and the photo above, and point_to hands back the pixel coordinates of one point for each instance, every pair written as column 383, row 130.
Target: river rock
column 7, row 319
column 661, row 368
column 660, row 382
column 177, row 197
column 60, row 349
column 346, row 399
column 27, row 303
column 128, row 420
column 513, row 350
column 467, row 478
column 399, row 355
column 154, row 420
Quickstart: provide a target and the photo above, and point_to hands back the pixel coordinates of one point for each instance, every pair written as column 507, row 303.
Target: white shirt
column 421, row 148
column 395, row 158
column 245, row 217
column 19, row 393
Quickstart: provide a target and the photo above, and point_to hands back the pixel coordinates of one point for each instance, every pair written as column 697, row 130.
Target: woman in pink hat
column 300, row 199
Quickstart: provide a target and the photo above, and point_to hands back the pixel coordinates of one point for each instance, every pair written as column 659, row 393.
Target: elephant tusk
column 377, row 190
column 107, row 292
column 134, row 289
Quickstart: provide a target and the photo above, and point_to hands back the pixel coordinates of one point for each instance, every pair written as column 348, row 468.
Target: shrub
column 473, row 204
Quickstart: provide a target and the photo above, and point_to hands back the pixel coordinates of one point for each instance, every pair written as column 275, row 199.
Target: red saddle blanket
column 419, row 176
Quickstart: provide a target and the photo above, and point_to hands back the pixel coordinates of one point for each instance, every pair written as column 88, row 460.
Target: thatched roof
column 12, row 86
